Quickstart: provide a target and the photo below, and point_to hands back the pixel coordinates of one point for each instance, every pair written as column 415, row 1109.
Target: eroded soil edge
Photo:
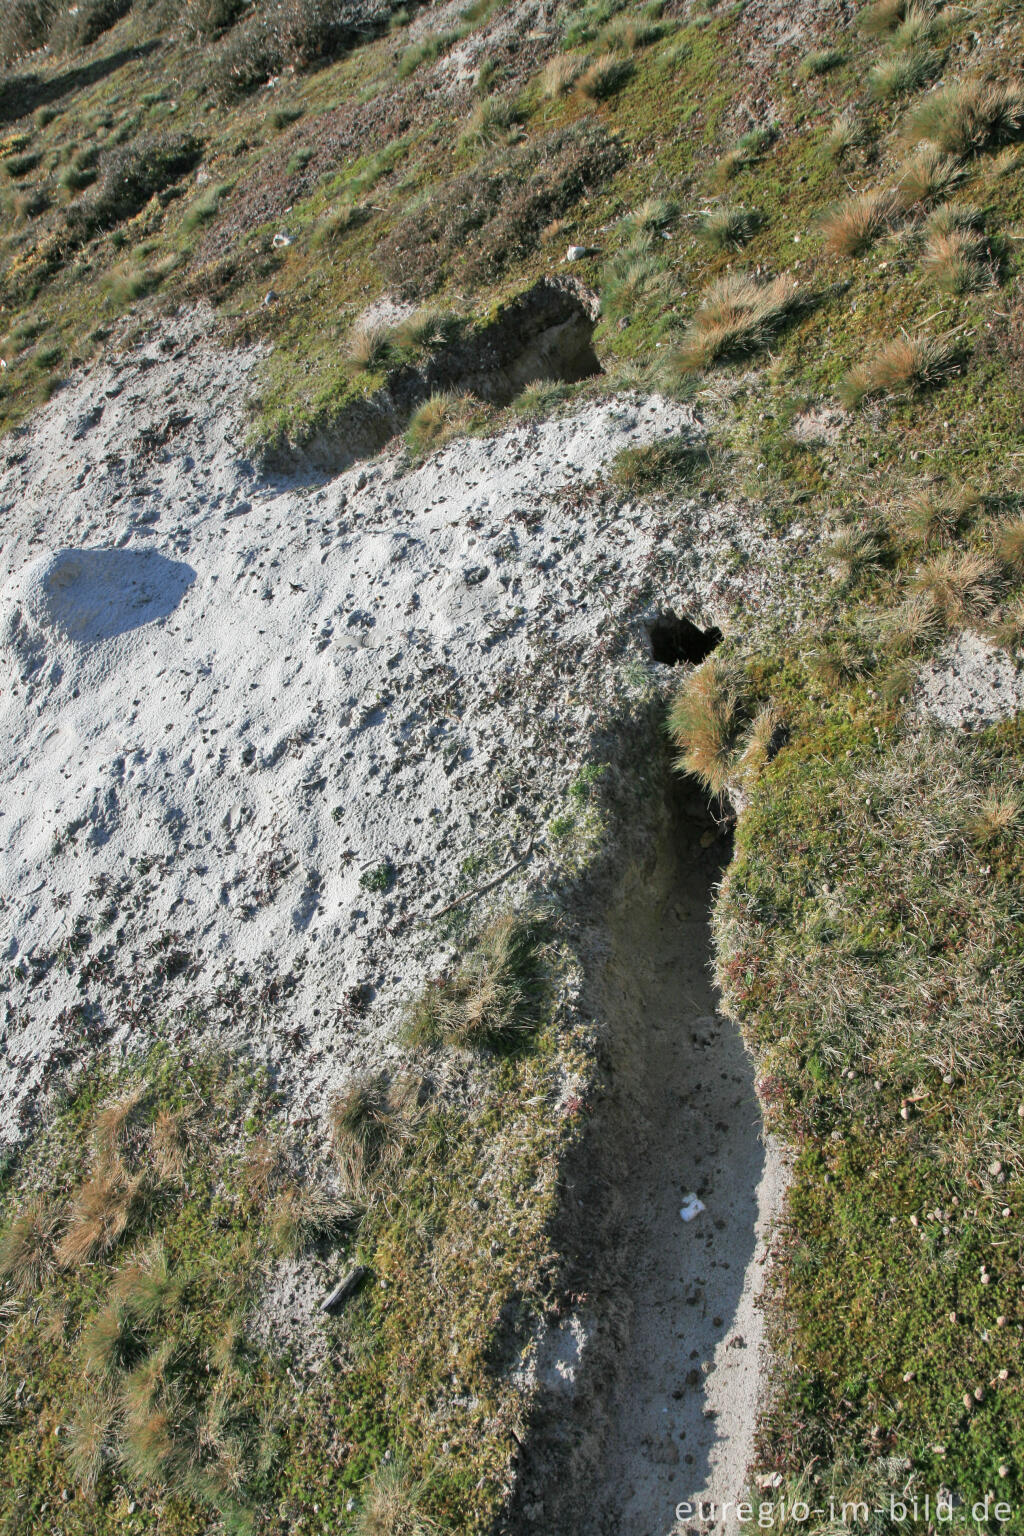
column 672, row 1365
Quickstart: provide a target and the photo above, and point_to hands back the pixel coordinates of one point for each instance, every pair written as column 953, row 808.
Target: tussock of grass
column 928, row 176
column 1008, row 630
column 27, row 1246
column 604, row 77
column 910, row 626
column 723, row 228
column 92, row 1439
column 846, row 134
column 854, row 226
column 301, row 1217
column 369, row 347
column 920, row 24
column 705, row 721
column 656, row 467
column 853, row 551
column 933, row 518
column 737, row 316
column 743, row 153
column 104, row 1210
column 391, row 1505
column 559, row 75
column 492, row 121
column 901, row 367
column 903, row 73
column 206, row 206
column 999, row 818
column 955, row 260
column 758, row 744
column 437, row 419
column 495, row 999
column 821, row 62
column 627, row 33
column 371, row 1120
column 652, row 216
column 969, row 117
column 961, row 585
column 630, row 280
column 1008, row 544
column 539, row 397
column 882, row 17
column 334, row 226
column 425, row 51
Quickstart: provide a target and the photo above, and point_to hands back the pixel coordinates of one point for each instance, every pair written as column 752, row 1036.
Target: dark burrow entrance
column 675, row 641
column 543, row 334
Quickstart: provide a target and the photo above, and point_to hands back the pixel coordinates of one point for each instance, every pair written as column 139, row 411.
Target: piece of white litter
column 691, row 1207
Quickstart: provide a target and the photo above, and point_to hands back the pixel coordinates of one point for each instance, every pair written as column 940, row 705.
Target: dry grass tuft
column 495, row 999
column 437, row 419
column 722, row 229
column 928, row 176
column 759, row 743
column 851, row 228
column 392, row 1505
column 882, row 17
column 955, row 260
column 1008, row 631
column 302, row 1216
column 1009, row 544
column 931, row 518
column 103, row 1209
column 704, row 721
column 114, row 1121
column 369, row 347
column 998, row 819
column 961, row 585
column 146, row 1287
column 604, row 77
column 495, row 120
column 630, row 280
column 921, row 24
column 370, row 1122
column 169, row 1140
column 969, row 117
column 27, row 1247
column 851, row 552
column 559, row 75
column 820, row 62
column 1008, row 161
column 846, row 134
column 902, row 366
column 902, row 73
column 910, row 626
column 110, row 1341
column 92, row 1439
column 737, row 315
column 653, row 215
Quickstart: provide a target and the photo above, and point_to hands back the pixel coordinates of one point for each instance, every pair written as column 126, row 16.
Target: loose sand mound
column 79, row 596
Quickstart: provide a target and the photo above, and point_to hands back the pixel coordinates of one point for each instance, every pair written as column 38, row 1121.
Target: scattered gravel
column 971, row 684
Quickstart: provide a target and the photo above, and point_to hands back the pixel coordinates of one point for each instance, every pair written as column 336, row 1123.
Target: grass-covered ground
column 819, row 239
